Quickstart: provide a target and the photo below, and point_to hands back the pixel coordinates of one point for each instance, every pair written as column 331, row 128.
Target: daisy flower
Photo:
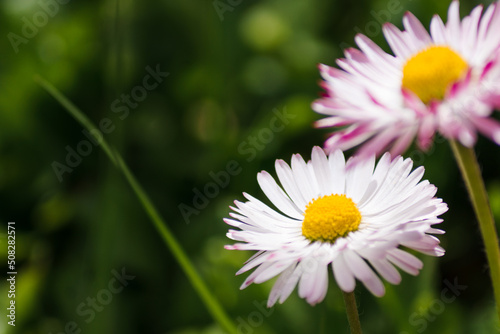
column 352, row 217
column 447, row 81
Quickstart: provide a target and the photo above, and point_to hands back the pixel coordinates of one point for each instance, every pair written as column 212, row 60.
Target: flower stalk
column 467, row 162
column 352, row 312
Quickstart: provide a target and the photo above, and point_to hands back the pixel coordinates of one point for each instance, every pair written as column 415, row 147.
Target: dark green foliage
column 241, row 77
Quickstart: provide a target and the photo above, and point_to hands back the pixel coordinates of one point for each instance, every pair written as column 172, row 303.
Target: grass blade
column 171, row 242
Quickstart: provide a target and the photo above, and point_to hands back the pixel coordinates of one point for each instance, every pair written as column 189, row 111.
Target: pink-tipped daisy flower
column 447, row 81
column 351, row 216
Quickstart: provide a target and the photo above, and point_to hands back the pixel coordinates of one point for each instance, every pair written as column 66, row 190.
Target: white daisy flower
column 446, row 81
column 354, row 216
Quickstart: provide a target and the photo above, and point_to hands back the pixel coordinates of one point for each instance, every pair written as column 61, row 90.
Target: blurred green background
column 232, row 66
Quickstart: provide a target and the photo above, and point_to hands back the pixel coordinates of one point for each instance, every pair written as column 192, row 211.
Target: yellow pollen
column 430, row 72
column 329, row 217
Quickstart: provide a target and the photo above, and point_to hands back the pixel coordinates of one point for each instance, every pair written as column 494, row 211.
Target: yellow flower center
column 329, row 217
column 429, row 73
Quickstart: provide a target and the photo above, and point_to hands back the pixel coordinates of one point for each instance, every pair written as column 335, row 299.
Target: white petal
column 286, row 178
column 336, row 162
column 275, row 269
column 407, row 262
column 250, row 279
column 277, row 289
column 277, row 195
column 290, row 284
column 376, row 54
column 313, row 282
column 343, row 275
column 396, row 41
column 321, row 170
column 387, row 271
column 321, row 286
column 453, row 25
column 416, row 30
column 363, row 272
column 438, row 30
column 256, row 205
column 358, row 177
column 303, row 177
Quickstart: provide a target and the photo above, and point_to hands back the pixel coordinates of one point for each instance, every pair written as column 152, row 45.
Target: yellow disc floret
column 430, row 72
column 329, row 217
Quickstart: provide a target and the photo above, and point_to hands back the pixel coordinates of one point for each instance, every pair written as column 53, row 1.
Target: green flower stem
column 471, row 174
column 352, row 312
column 199, row 285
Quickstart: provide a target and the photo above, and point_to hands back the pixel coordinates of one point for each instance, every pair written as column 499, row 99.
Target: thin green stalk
column 77, row 114
column 199, row 285
column 467, row 162
column 352, row 312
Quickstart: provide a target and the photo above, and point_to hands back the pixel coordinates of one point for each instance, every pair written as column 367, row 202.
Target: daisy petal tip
column 262, row 174
column 467, row 141
column 313, row 302
column 317, row 147
column 417, row 271
column 496, row 137
column 318, row 150
column 397, row 280
column 439, row 251
column 375, row 286
column 388, row 156
column 246, row 284
column 408, row 14
column 387, row 25
column 360, row 36
column 350, row 50
column 380, row 293
column 239, row 272
column 347, row 290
